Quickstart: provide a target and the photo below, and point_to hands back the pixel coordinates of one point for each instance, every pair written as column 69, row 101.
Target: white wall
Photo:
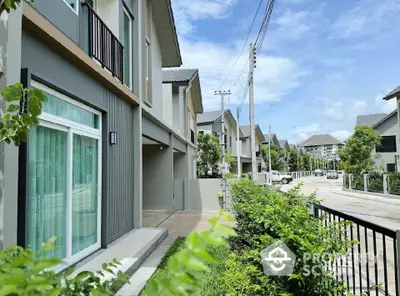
column 207, row 129
column 109, row 11
column 167, row 103
column 156, row 74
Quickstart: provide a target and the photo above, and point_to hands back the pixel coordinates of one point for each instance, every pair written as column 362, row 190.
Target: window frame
column 384, row 149
column 128, row 15
column 73, row 128
column 77, row 3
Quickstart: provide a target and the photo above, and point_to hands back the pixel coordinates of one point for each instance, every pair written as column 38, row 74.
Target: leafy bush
column 24, row 272
column 357, row 182
column 230, row 176
column 264, row 216
column 375, row 182
column 394, row 184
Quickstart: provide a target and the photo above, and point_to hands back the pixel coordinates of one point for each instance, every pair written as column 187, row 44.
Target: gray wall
column 118, row 161
column 157, row 178
column 387, row 128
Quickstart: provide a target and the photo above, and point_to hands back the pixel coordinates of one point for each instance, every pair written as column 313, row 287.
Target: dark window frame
column 388, row 145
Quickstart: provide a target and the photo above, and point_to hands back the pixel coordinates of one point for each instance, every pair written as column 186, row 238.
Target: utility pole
column 252, row 65
column 269, row 156
column 239, row 165
column 222, row 143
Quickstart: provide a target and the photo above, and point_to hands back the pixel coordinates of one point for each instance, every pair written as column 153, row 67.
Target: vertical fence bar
column 359, row 258
column 385, row 274
column 90, row 33
column 367, row 254
column 347, row 260
column 385, row 184
column 365, row 182
column 341, row 257
column 375, row 263
column 350, row 179
column 352, row 260
column 396, row 245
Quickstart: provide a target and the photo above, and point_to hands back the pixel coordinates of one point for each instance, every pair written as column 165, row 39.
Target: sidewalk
column 366, row 196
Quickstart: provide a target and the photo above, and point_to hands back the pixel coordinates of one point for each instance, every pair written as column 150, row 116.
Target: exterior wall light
column 113, row 138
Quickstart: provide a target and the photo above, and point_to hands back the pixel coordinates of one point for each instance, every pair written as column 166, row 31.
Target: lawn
column 208, row 279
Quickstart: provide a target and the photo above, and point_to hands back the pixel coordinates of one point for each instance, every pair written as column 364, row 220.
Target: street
column 378, row 210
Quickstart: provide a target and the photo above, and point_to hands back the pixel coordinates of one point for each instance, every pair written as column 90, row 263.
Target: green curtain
column 47, row 188
column 84, row 192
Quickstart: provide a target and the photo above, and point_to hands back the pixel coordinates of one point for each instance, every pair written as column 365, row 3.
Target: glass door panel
column 47, row 201
column 84, row 192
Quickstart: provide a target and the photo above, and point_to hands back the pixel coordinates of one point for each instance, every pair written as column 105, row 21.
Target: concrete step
column 131, row 251
column 146, row 270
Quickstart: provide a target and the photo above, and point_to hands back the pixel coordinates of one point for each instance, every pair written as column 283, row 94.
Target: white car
column 278, row 178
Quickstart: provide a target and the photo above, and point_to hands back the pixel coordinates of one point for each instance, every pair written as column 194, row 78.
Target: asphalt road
column 378, row 210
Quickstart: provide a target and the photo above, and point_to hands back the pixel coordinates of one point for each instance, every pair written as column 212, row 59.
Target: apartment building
column 322, row 146
column 246, row 148
column 105, row 149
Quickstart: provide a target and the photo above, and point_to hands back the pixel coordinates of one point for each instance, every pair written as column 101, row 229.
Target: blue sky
column 323, row 61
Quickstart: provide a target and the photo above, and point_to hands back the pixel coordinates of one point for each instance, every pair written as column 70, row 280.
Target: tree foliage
column 293, row 160
column 356, row 156
column 208, row 156
column 305, row 162
column 276, row 157
column 8, row 5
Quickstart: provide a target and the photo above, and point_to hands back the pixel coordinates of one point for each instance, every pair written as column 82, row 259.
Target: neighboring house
column 322, row 146
column 105, row 148
column 274, row 140
column 293, row 146
column 385, row 155
column 210, row 122
column 369, row 119
column 395, row 94
column 246, row 148
column 285, row 148
column 284, row 144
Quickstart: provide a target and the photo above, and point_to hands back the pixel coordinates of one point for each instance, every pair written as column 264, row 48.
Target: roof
column 283, row 143
column 320, row 140
column 245, row 129
column 369, row 119
column 179, row 75
column 385, row 118
column 266, row 136
column 394, row 93
column 209, row 117
column 292, row 146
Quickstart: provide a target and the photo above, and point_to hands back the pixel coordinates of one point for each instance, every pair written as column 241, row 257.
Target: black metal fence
column 103, row 45
column 372, row 266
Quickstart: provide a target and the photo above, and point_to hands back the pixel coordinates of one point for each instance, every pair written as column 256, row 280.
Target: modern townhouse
column 105, row 148
column 210, row 122
column 246, row 148
column 274, row 140
column 285, row 148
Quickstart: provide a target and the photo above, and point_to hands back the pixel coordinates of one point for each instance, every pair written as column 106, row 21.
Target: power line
column 263, row 30
column 244, row 45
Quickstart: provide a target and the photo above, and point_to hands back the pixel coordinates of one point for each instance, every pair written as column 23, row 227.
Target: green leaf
column 193, row 240
column 9, row 289
column 212, row 238
column 213, row 221
column 12, row 93
column 12, row 108
column 205, row 255
column 38, row 94
column 152, row 288
column 226, row 230
column 6, row 116
column 226, row 216
column 196, row 265
column 69, row 271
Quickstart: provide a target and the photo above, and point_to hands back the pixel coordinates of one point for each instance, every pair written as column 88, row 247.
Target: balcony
column 102, row 45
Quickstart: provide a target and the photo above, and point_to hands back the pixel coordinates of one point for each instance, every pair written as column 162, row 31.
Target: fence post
column 350, row 178
column 365, row 182
column 385, row 184
column 397, row 263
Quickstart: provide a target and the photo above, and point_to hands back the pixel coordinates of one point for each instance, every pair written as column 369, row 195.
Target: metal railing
column 103, row 45
column 372, row 265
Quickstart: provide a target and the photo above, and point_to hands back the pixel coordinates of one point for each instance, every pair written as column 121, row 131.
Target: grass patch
column 209, row 279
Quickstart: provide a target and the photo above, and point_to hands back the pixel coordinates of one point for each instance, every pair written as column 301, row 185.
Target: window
column 192, row 138
column 388, row 144
column 226, row 141
column 201, row 132
column 391, row 168
column 73, row 4
column 127, row 49
column 64, row 177
column 230, row 142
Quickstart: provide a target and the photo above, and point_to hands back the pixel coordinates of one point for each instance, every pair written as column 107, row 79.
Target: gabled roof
column 215, row 116
column 394, row 93
column 284, row 144
column 179, row 75
column 319, row 140
column 292, row 146
column 245, row 129
column 189, row 77
column 384, row 119
column 369, row 119
column 274, row 139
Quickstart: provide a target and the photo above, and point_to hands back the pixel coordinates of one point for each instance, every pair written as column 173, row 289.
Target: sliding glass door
column 64, row 171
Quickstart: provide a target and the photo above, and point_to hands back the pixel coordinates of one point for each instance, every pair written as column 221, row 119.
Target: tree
column 276, row 158
column 293, row 160
column 356, row 155
column 208, row 156
column 305, row 162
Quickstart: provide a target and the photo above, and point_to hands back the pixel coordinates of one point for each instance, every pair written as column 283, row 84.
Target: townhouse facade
column 246, row 148
column 274, row 140
column 105, row 148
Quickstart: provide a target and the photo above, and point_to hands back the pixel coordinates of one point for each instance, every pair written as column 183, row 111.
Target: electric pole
column 269, row 156
column 252, row 65
column 222, row 143
column 239, row 165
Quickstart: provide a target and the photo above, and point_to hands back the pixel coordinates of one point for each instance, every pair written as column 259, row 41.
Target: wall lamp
column 113, row 138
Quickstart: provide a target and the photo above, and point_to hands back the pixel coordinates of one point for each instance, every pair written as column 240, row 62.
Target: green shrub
column 394, row 184
column 375, row 182
column 357, row 182
column 264, row 216
column 230, row 175
column 24, row 272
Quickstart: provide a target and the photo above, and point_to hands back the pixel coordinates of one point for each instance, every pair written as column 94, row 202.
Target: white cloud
column 359, row 106
column 294, row 25
column 368, row 17
column 305, row 131
column 383, row 105
column 341, row 134
column 334, row 114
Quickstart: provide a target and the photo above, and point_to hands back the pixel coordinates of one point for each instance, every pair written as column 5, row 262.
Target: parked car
column 318, row 172
column 332, row 175
column 284, row 179
column 340, row 172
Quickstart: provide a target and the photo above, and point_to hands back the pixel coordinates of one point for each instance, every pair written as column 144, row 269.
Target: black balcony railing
column 103, row 45
column 372, row 266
